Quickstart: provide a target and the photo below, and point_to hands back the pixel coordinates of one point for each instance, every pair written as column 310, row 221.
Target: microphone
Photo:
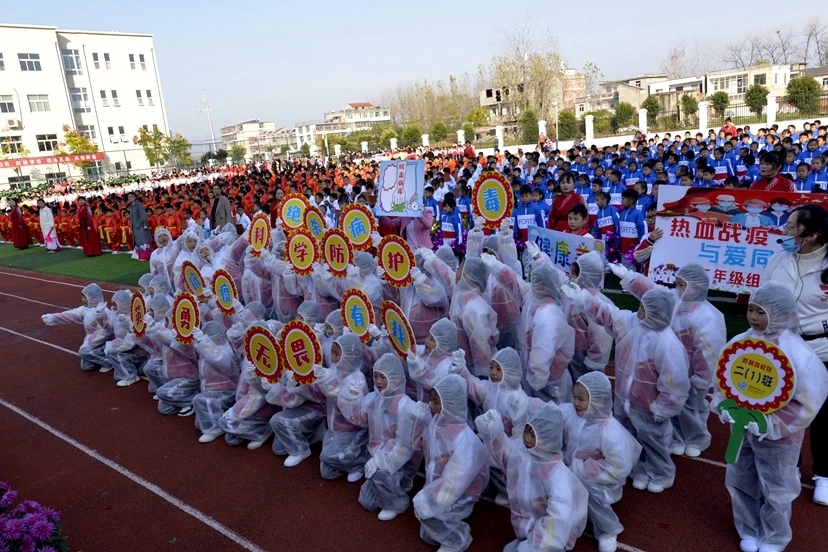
column 779, row 241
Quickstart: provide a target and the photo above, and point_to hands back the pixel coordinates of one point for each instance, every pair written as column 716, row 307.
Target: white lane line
column 52, row 345
column 49, row 281
column 33, row 301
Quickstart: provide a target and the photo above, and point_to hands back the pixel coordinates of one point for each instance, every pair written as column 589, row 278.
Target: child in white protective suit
column 219, row 376
column 144, row 284
column 548, row 503
column 651, row 382
column 701, row 328
column 94, row 316
column 592, row 342
column 180, row 370
column 163, row 258
column 394, row 425
column 475, row 319
column 600, row 452
column 424, row 301
column 432, row 361
column 157, row 307
column 160, row 285
column 327, row 333
column 457, row 469
column 123, row 352
column 191, row 239
column 764, row 482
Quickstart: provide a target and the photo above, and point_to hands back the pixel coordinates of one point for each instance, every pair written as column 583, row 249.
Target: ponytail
column 814, row 221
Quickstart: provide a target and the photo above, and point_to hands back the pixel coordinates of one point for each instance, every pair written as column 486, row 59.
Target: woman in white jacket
column 47, row 226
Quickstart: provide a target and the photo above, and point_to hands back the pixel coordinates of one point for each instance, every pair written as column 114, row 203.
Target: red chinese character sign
column 358, row 223
column 300, row 350
column 292, row 211
column 259, row 237
column 193, row 279
column 137, row 311
column 337, row 252
column 757, row 379
column 315, row 222
column 302, row 251
column 492, row 199
column 357, row 313
column 225, row 292
column 262, row 351
column 398, row 328
column 396, row 258
column 185, row 317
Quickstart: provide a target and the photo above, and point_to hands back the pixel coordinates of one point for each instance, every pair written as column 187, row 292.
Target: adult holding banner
column 803, row 268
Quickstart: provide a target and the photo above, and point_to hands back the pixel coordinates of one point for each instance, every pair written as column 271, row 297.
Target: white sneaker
column 210, row 436
column 640, row 484
column 607, row 544
column 186, row 411
column 655, row 488
column 296, row 459
column 387, row 515
column 502, row 500
column 821, row 490
column 748, row 545
column 678, row 449
column 155, row 397
column 355, row 476
column 128, row 382
column 105, row 369
column 692, row 452
column 253, row 445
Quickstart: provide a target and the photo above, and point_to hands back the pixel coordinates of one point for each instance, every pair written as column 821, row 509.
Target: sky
column 292, row 61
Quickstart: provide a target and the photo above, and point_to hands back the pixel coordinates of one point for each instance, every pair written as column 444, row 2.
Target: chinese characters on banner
column 401, row 188
column 731, row 232
column 51, row 160
column 564, row 249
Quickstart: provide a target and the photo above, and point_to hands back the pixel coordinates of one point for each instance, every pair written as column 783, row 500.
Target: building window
column 115, row 101
column 142, row 62
column 145, row 127
column 824, row 81
column 140, row 99
column 96, row 61
column 46, row 142
column 71, row 62
column 760, row 79
column 118, row 166
column 111, row 132
column 94, row 172
column 80, row 100
column 149, row 98
column 2, row 63
column 106, row 61
column 19, row 182
column 88, row 131
column 29, row 62
column 6, row 104
column 132, row 61
column 741, row 83
column 580, row 108
column 638, row 84
column 122, row 133
column 11, row 144
column 154, row 128
column 39, row 103
column 51, row 178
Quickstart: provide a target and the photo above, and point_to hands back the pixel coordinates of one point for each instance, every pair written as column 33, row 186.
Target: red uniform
column 88, row 232
column 20, row 231
column 559, row 212
column 776, row 184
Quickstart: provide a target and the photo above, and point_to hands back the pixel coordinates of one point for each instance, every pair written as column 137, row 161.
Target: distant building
column 687, row 84
column 736, row 81
column 502, row 105
column 819, row 73
column 610, row 93
column 354, row 117
column 256, row 137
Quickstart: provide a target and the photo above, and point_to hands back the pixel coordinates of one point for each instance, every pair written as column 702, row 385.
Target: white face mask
column 703, row 208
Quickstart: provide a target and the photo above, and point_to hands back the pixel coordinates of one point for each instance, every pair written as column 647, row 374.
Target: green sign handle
column 741, row 418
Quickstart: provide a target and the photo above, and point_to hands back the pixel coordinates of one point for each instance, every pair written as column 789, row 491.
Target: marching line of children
column 505, row 392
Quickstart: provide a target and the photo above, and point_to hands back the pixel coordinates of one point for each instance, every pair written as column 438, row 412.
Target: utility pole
column 209, row 119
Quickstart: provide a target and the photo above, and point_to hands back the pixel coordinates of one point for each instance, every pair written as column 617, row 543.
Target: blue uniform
column 431, row 203
column 525, row 216
column 451, row 227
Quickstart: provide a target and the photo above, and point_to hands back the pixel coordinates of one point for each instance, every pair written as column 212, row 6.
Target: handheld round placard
column 315, row 222
column 357, row 313
column 185, row 317
column 259, row 237
column 398, row 328
column 358, row 223
column 300, row 350
column 137, row 311
column 337, row 252
column 225, row 292
column 302, row 251
column 262, row 351
column 292, row 211
column 395, row 257
column 193, row 279
column 492, row 199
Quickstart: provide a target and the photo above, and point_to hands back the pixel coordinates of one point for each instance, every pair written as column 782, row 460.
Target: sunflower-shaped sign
column 337, row 252
column 357, row 313
column 137, row 311
column 399, row 330
column 292, row 211
column 492, row 199
column 395, row 257
column 300, row 350
column 193, row 279
column 315, row 222
column 185, row 317
column 225, row 292
column 262, row 351
column 358, row 223
column 302, row 250
column 259, row 237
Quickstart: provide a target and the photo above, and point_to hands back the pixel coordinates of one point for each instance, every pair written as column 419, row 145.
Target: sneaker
column 692, row 452
column 105, row 369
column 128, row 382
column 296, row 459
column 253, row 445
column 155, row 397
column 749, row 545
column 678, row 449
column 607, row 544
column 821, row 490
column 502, row 500
column 210, row 436
column 387, row 515
column 186, row 411
column 640, row 484
column 353, row 477
column 655, row 488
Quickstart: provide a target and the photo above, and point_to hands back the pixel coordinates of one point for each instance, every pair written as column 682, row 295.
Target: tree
column 624, row 112
column 439, row 132
column 178, row 150
column 591, row 73
column 7, row 150
column 284, row 149
column 528, row 122
column 756, row 98
column 305, row 149
column 689, row 105
column 387, row 135
column 691, row 60
column 154, row 145
column 76, row 143
column 653, row 106
column 411, row 135
column 804, row 94
column 468, row 130
column 567, row 125
column 237, row 153
column 478, row 117
column 720, row 100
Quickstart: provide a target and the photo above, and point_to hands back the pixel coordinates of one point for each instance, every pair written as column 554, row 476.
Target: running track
column 126, row 478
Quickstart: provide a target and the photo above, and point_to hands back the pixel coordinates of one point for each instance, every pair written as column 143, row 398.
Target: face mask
column 779, row 208
column 789, row 245
column 703, row 208
column 725, row 204
column 754, row 210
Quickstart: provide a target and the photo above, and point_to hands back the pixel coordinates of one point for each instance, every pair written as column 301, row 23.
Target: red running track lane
column 250, row 493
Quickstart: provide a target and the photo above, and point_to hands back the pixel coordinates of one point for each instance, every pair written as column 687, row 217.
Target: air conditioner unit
column 13, row 123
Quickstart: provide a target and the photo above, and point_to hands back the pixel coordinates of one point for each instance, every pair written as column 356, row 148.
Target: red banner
column 52, row 160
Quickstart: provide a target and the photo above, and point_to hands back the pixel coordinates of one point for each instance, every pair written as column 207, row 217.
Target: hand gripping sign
column 185, row 317
column 262, row 351
column 225, row 292
column 315, row 222
column 300, row 351
column 492, row 199
column 302, row 251
column 757, row 379
column 292, row 211
column 358, row 223
column 259, row 237
column 193, row 279
column 395, row 257
column 357, row 313
column 398, row 328
column 337, row 252
column 137, row 311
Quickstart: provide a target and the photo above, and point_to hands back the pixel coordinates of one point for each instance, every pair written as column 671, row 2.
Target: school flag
column 564, row 249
